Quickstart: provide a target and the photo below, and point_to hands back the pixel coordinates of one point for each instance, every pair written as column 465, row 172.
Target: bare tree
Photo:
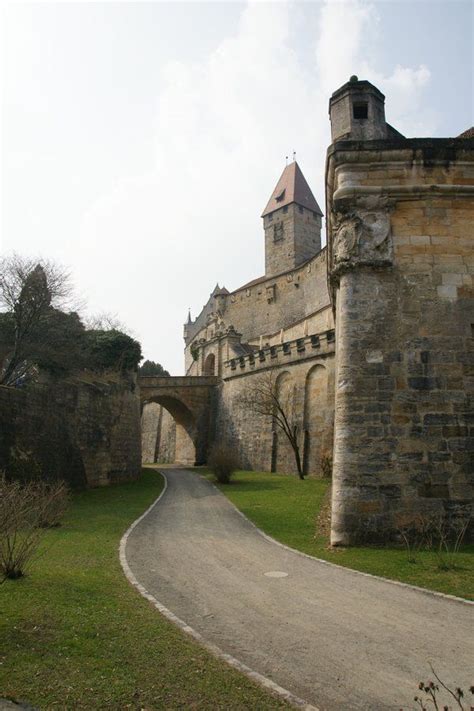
column 105, row 321
column 28, row 290
column 264, row 396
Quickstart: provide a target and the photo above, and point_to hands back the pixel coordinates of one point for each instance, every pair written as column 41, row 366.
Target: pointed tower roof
column 292, row 187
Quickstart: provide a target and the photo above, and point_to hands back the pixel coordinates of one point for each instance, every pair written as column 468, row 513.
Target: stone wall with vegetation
column 402, row 266
column 85, row 431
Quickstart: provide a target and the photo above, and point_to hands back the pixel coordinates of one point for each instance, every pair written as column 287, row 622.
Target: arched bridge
column 191, row 402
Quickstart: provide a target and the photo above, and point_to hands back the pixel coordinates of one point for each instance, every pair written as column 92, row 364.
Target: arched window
column 210, row 365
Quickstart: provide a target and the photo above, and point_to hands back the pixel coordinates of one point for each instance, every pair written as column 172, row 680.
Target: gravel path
column 334, row 637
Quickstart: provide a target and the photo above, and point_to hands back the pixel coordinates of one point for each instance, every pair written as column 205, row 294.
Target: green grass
column 286, row 508
column 76, row 635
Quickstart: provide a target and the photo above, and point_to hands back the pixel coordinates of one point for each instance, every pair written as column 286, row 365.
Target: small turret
column 186, row 325
column 357, row 113
column 220, row 298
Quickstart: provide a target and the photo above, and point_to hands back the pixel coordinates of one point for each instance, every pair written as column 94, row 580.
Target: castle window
column 360, row 109
column 301, row 209
column 280, row 195
column 285, row 209
column 300, row 344
column 273, row 352
column 232, row 364
column 270, row 217
column 330, row 336
column 261, row 355
column 315, row 215
column 286, row 349
column 278, row 232
column 315, row 341
column 270, row 292
column 242, row 361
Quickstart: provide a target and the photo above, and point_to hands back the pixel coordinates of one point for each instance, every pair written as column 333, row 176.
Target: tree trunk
column 296, row 451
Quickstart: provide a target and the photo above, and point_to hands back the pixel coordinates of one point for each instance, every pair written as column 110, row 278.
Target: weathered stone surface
column 87, row 433
column 404, row 337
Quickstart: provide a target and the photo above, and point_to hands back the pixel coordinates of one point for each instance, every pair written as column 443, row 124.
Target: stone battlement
column 283, row 354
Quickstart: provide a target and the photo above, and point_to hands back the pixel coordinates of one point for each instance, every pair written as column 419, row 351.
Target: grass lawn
column 74, row 634
column 286, row 508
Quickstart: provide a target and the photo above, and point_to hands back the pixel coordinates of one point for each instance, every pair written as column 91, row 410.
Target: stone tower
column 292, row 223
column 357, row 113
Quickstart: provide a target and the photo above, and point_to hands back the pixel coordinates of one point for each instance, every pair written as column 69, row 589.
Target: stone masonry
column 86, row 432
column 374, row 335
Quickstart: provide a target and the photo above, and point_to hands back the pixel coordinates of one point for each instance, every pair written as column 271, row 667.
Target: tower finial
column 189, row 316
column 286, row 160
column 294, row 156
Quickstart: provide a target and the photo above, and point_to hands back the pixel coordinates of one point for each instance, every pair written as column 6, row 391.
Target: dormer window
column 360, row 109
column 280, row 195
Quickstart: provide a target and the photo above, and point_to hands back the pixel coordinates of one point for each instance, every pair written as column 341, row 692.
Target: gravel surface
column 332, row 636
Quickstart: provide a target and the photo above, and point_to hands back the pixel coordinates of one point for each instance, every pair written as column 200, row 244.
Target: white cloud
column 347, row 44
column 157, row 242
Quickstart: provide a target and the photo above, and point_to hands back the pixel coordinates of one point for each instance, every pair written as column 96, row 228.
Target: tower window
column 278, row 232
column 270, row 217
column 279, row 197
column 301, row 209
column 285, row 209
column 360, row 109
column 315, row 215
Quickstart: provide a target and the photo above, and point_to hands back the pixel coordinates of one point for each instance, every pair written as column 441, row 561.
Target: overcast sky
column 141, row 141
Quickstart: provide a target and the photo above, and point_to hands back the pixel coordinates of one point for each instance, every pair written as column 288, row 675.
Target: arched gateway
column 190, row 401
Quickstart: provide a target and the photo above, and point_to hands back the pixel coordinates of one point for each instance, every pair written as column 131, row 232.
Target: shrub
column 54, row 498
column 223, row 462
column 438, row 533
column 25, row 510
column 433, row 693
column 326, row 465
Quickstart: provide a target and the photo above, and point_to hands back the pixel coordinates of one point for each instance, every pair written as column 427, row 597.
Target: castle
column 374, row 333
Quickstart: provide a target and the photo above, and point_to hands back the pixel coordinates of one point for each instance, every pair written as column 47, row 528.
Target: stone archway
column 185, row 444
column 282, row 453
column 189, row 401
column 210, row 365
column 315, row 414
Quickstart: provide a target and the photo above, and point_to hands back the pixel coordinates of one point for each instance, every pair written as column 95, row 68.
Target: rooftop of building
column 292, row 188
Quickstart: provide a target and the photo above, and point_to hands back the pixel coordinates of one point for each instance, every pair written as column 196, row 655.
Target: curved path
column 332, row 636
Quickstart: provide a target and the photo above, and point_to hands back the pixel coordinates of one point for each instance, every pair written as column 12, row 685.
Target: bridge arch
column 189, row 400
column 185, row 446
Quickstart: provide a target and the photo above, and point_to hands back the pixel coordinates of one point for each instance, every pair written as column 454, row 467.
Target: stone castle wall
column 87, row 433
column 264, row 308
column 402, row 263
column 260, row 446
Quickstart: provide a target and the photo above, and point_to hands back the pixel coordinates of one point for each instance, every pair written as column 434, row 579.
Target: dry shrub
column 223, row 462
column 326, row 465
column 26, row 509
column 436, row 532
column 54, row 498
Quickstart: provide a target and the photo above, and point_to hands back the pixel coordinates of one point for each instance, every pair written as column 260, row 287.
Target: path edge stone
column 216, row 651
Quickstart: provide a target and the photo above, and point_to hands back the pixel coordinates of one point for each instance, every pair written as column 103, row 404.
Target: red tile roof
column 292, row 187
column 469, row 133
